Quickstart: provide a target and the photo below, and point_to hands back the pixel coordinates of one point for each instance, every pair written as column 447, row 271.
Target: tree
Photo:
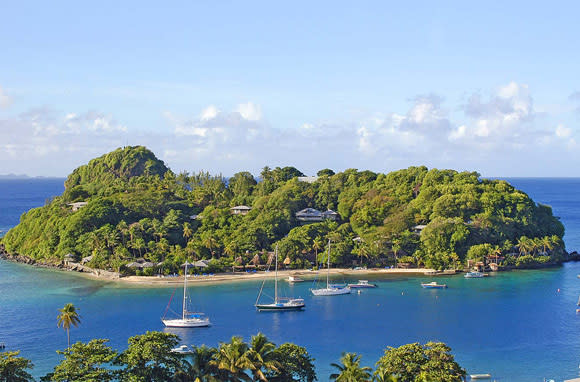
column 200, row 368
column 149, row 358
column 13, row 368
column 68, row 316
column 90, row 361
column 325, row 172
column 410, row 362
column 261, row 354
column 295, row 364
column 232, row 360
column 350, row 370
column 187, row 231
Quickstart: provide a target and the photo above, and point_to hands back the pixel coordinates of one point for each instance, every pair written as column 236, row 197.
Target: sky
column 225, row 86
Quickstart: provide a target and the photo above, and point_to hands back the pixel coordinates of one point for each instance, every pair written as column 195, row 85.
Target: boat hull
column 434, row 286
column 362, row 286
column 474, row 275
column 279, row 307
column 187, row 323
column 330, row 291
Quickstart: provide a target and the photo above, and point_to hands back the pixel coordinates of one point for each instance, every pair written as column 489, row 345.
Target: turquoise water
column 518, row 326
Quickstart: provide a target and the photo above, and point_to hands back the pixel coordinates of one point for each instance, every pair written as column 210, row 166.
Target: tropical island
column 127, row 213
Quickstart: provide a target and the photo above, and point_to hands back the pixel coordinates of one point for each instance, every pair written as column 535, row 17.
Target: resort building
column 240, row 210
column 311, row 215
column 307, row 179
column 77, row 205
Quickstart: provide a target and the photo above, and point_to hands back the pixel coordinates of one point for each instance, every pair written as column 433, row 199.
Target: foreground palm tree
column 200, row 369
column 350, row 369
column 261, row 355
column 68, row 316
column 232, row 360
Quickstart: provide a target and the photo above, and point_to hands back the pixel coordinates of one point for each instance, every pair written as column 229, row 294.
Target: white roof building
column 240, row 210
column 77, row 205
column 313, row 215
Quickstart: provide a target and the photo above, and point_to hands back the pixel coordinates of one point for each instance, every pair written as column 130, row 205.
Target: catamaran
column 279, row 303
column 331, row 289
column 188, row 319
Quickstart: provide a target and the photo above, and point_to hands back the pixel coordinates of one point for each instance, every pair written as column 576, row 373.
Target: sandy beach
column 282, row 275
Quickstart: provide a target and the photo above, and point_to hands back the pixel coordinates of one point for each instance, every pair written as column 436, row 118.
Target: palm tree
column 547, row 243
column 397, row 245
column 317, row 245
column 350, row 369
column 187, row 231
column 261, row 354
column 200, row 368
column 124, row 229
column 68, row 316
column 524, row 245
column 232, row 360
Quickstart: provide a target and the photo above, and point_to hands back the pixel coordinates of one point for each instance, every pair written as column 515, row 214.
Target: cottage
column 240, row 210
column 307, row 179
column 330, row 214
column 311, row 215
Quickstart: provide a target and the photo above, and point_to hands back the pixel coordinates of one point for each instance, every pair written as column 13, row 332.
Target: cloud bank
column 498, row 134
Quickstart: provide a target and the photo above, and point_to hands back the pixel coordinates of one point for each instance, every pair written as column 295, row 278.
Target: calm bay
column 518, row 326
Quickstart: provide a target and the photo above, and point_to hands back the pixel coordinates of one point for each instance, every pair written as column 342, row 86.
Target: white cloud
column 5, row 101
column 250, row 111
column 563, row 132
column 209, row 112
column 485, row 134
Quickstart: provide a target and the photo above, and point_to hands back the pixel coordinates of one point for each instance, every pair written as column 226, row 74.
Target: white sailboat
column 188, row 319
column 331, row 289
column 280, row 303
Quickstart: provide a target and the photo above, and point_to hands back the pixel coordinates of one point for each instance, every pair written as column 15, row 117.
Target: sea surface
column 518, row 326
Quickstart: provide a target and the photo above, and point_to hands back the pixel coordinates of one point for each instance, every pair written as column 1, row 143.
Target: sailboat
column 331, row 289
column 279, row 303
column 188, row 319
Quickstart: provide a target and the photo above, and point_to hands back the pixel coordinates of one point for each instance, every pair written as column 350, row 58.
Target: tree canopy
column 136, row 209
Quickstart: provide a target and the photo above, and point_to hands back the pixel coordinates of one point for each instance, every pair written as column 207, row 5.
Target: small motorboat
column 295, row 279
column 480, row 376
column 183, row 349
column 474, row 275
column 362, row 284
column 433, row 285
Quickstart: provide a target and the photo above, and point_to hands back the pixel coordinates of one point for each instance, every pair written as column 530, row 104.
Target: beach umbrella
column 256, row 259
column 287, row 261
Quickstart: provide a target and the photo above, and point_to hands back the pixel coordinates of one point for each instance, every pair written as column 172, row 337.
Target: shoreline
column 218, row 278
column 229, row 277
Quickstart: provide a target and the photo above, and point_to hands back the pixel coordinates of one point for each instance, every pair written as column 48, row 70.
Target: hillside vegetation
column 138, row 209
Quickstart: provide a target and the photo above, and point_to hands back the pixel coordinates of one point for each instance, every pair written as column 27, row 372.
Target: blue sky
column 233, row 86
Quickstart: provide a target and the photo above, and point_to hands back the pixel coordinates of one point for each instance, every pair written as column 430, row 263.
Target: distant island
column 127, row 212
column 23, row 176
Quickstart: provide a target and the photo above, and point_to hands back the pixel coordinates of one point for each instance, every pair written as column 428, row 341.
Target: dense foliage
column 149, row 357
column 138, row 209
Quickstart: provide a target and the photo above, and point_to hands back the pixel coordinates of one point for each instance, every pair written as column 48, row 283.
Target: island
column 127, row 214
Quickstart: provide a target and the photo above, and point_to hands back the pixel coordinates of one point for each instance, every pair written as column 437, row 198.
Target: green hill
column 133, row 206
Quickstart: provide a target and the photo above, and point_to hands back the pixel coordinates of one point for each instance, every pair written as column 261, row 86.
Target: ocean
column 517, row 326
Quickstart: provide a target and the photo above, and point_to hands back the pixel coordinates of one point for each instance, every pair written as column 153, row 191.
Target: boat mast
column 328, row 268
column 184, row 291
column 276, row 278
